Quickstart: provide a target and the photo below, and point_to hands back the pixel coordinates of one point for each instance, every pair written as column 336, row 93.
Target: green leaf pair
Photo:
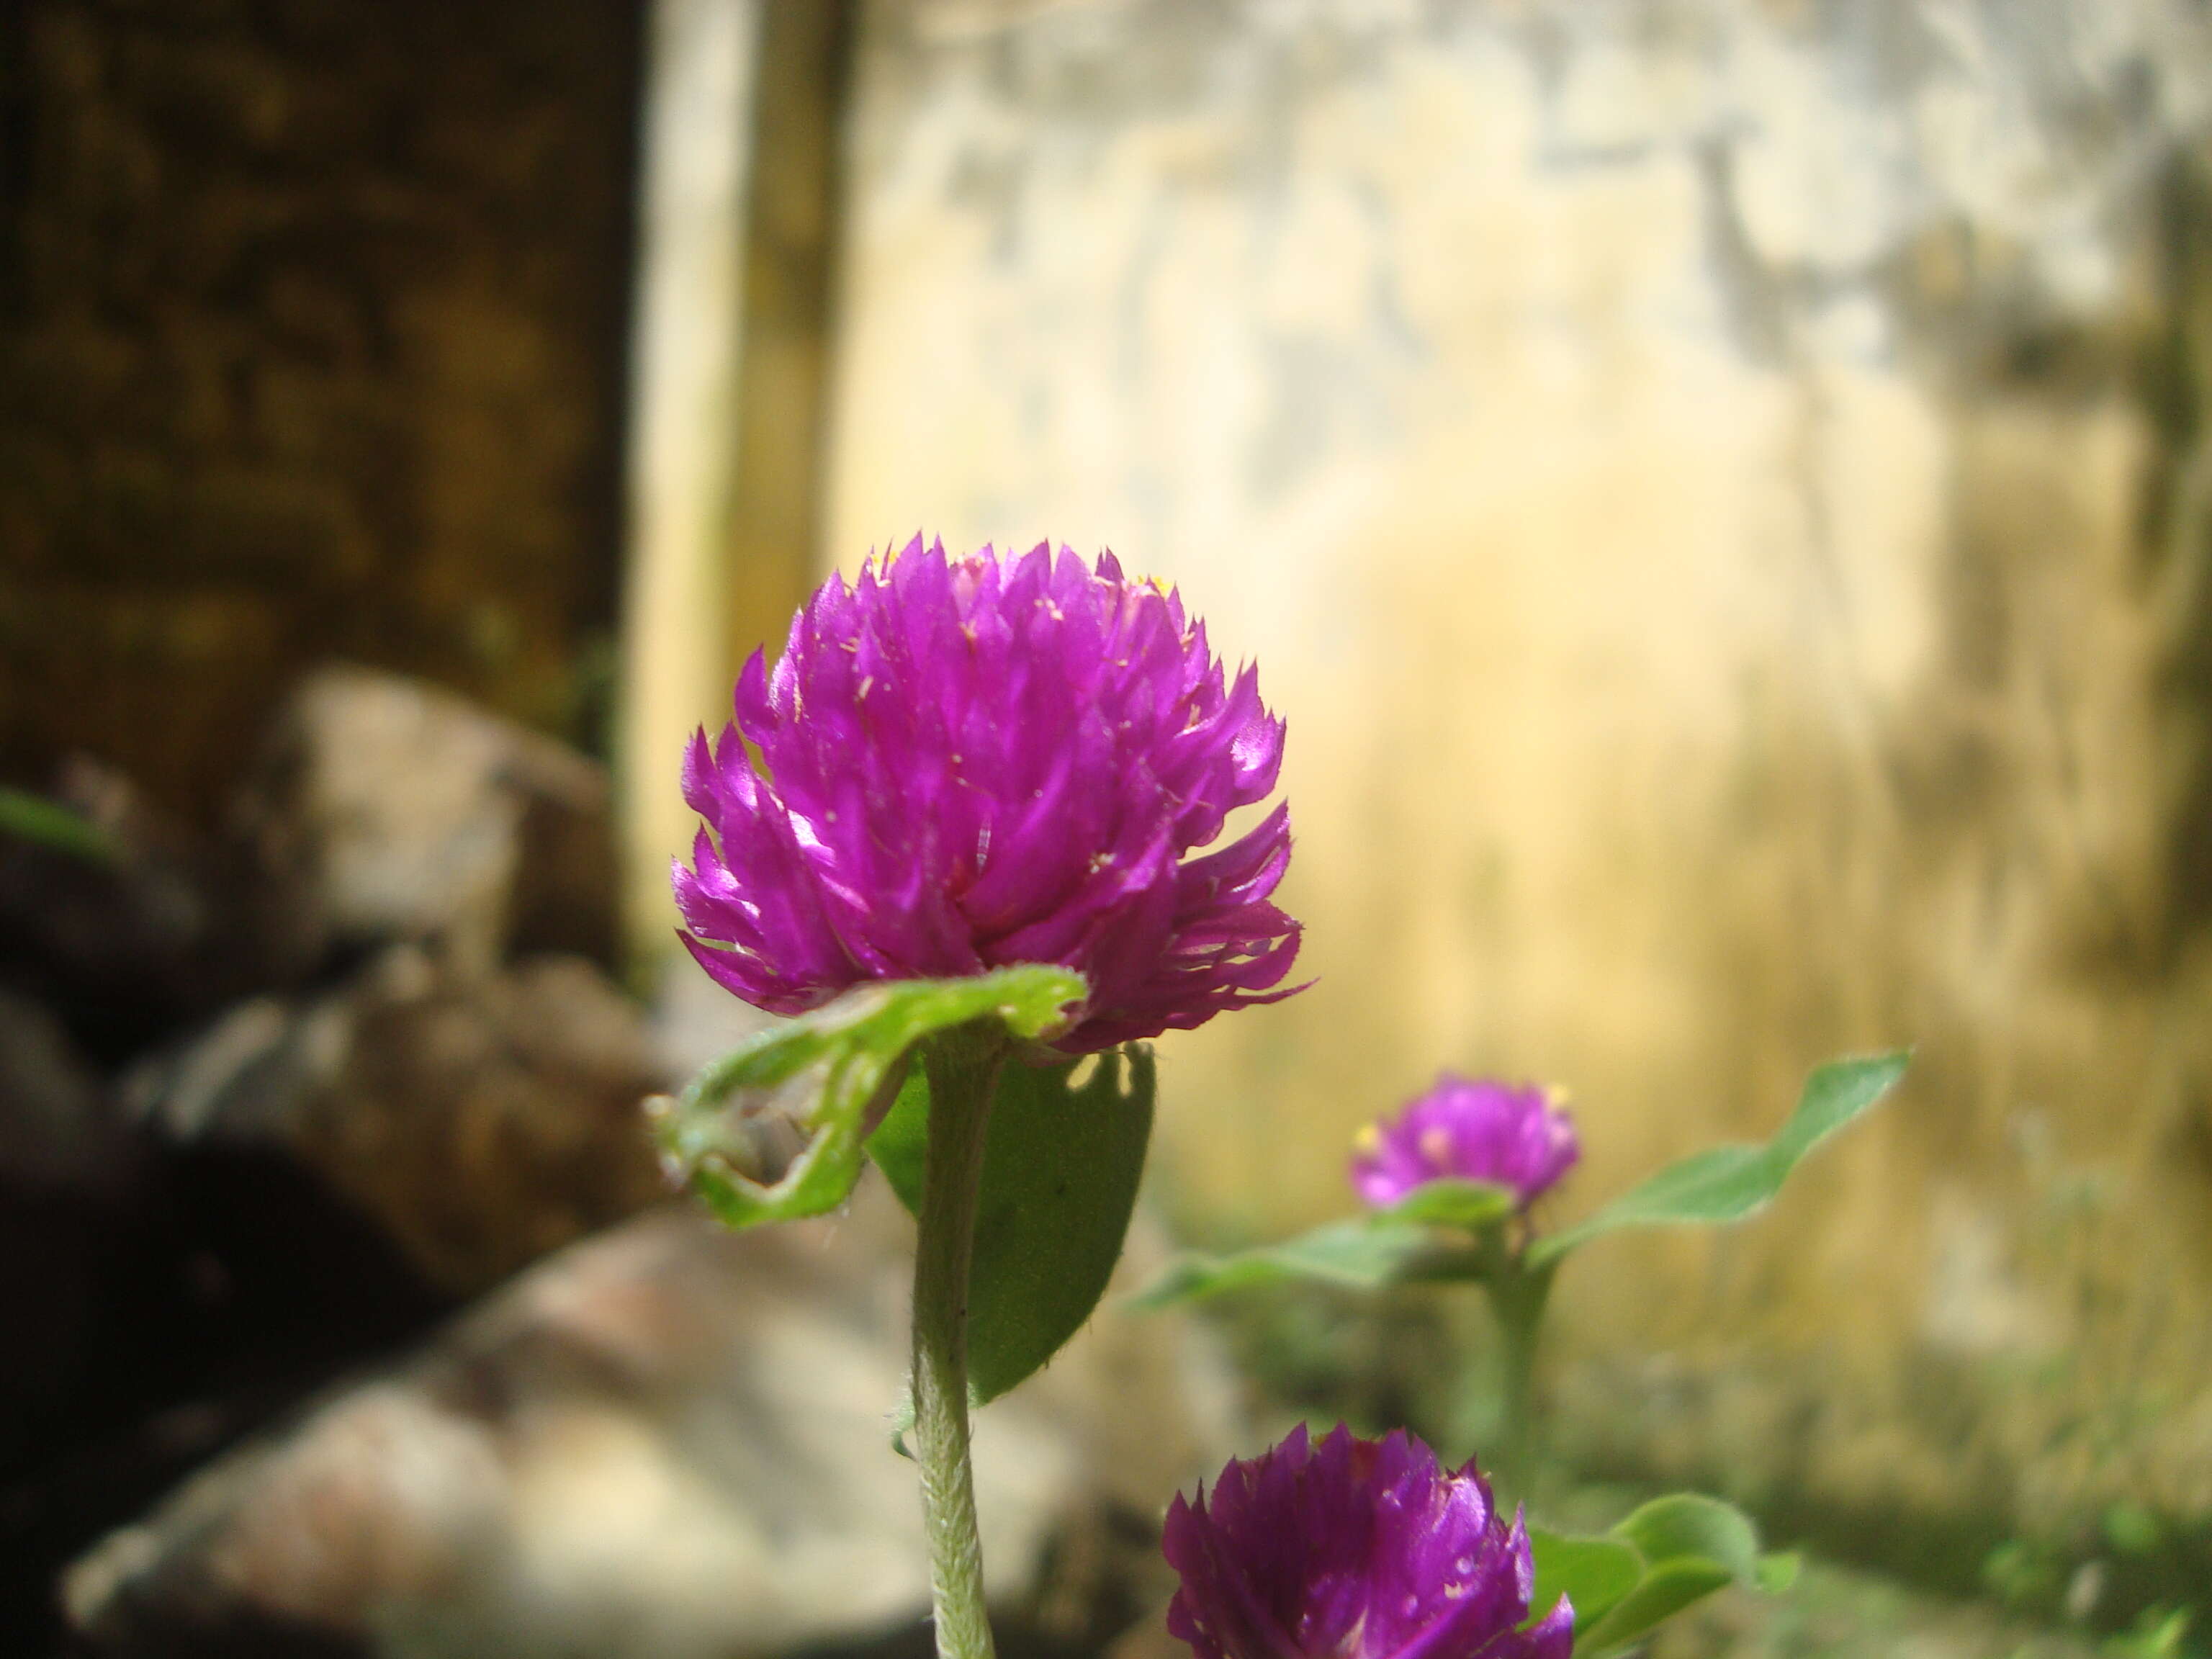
column 1668, row 1554
column 1722, row 1184
column 1360, row 1253
column 1060, row 1164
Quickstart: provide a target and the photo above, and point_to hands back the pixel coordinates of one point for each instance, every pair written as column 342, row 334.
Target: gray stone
column 65, row 1173
column 385, row 810
column 483, row 1119
column 668, row 1441
column 56, row 1129
column 129, row 947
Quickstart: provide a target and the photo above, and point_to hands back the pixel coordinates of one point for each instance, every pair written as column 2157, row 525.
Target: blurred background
column 1722, row 490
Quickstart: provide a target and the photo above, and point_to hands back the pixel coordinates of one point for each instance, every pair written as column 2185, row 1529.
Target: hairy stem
column 963, row 1069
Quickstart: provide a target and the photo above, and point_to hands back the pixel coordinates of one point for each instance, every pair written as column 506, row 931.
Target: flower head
column 972, row 762
column 1469, row 1129
column 1354, row 1549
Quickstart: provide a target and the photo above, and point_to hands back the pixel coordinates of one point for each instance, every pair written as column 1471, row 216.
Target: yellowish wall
column 727, row 380
column 1684, row 472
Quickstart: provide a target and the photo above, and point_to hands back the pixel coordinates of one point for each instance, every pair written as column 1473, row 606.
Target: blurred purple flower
column 1354, row 1549
column 1468, row 1129
column 980, row 761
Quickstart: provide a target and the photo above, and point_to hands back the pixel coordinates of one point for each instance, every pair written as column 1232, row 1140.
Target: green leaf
column 1472, row 1206
column 1688, row 1523
column 1361, row 1253
column 1728, row 1183
column 1687, row 1546
column 902, row 1140
column 2160, row 1632
column 834, row 1069
column 1664, row 1591
column 50, row 824
column 2131, row 1529
column 1061, row 1166
column 1592, row 1573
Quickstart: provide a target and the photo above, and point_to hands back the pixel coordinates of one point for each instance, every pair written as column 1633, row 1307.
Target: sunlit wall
column 1714, row 488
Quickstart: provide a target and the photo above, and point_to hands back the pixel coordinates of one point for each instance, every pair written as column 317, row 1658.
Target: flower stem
column 1517, row 1295
column 963, row 1068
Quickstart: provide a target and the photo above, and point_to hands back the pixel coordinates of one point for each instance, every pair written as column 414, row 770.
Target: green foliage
column 2020, row 1574
column 1594, row 1573
column 1691, row 1525
column 51, row 825
column 2158, row 1633
column 1364, row 1253
column 1061, row 1166
column 1729, row 1183
column 2131, row 1530
column 1360, row 1253
column 1722, row 1184
column 1473, row 1206
column 836, row 1070
column 1670, row 1553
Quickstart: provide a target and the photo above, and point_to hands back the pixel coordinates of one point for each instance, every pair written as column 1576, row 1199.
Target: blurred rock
column 156, row 1301
column 385, row 810
column 350, row 1103
column 131, row 947
column 669, row 1441
column 481, row 1119
column 144, row 1336
column 63, row 1167
column 56, row 1129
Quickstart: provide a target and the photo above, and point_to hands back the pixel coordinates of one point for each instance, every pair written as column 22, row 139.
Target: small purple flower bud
column 1354, row 1549
column 969, row 763
column 1468, row 1129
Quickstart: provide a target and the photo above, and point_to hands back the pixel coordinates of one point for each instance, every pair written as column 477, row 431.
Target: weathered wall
column 728, row 382
column 310, row 343
column 1717, row 488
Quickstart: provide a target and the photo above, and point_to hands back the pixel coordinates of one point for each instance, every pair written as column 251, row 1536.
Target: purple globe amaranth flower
column 986, row 759
column 1354, row 1549
column 1469, row 1129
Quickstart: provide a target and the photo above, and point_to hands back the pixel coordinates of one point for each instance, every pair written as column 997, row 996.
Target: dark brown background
column 312, row 317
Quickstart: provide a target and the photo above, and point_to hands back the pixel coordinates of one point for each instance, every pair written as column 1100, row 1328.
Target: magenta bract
column 969, row 762
column 1354, row 1549
column 1468, row 1129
